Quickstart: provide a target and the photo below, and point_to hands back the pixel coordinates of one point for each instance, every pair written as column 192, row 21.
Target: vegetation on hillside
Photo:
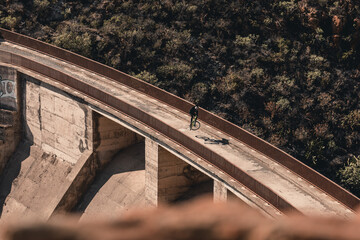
column 288, row 71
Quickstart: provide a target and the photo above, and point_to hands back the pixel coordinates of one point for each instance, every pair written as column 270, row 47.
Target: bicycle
column 195, row 124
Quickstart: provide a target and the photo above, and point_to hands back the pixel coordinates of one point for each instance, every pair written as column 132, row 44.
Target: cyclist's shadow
column 208, row 140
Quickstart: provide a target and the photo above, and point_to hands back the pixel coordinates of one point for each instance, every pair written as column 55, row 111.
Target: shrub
column 352, row 120
column 283, row 104
column 288, row 6
column 350, row 174
column 283, row 84
column 248, row 41
column 10, row 22
column 148, row 77
column 41, row 4
column 312, row 76
column 74, row 41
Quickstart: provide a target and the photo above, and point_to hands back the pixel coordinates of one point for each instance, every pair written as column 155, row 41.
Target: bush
column 350, row 174
column 75, row 41
column 148, row 77
column 9, row 22
column 352, row 120
column 246, row 42
column 41, row 5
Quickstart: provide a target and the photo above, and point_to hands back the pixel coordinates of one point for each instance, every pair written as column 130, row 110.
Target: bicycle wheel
column 197, row 126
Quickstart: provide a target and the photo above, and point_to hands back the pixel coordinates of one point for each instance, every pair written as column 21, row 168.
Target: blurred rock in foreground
column 200, row 219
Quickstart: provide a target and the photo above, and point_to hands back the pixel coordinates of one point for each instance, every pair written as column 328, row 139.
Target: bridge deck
column 300, row 193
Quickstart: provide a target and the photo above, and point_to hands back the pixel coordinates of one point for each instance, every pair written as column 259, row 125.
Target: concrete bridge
column 76, row 135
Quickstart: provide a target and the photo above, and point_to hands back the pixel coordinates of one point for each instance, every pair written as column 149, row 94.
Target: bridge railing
column 249, row 139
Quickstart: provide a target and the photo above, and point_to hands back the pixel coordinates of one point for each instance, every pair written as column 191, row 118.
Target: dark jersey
column 193, row 111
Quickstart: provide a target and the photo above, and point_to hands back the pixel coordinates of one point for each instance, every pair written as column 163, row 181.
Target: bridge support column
column 220, row 192
column 166, row 176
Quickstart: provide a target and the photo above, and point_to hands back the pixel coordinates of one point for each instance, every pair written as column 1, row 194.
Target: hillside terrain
column 287, row 71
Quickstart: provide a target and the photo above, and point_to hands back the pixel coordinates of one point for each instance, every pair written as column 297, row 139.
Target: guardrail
column 249, row 139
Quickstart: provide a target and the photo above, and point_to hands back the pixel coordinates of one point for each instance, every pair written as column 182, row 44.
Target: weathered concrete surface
column 301, row 194
column 58, row 166
column 55, row 121
column 194, row 221
column 81, row 176
column 117, row 188
column 121, row 185
column 62, row 130
column 32, row 183
column 167, row 176
column 110, row 137
column 220, row 192
column 35, row 183
column 10, row 125
column 10, row 134
column 9, row 90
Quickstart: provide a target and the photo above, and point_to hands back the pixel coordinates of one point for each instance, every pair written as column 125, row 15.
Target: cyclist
column 194, row 115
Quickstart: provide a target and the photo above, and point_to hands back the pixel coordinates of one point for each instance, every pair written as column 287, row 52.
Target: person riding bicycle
column 194, row 115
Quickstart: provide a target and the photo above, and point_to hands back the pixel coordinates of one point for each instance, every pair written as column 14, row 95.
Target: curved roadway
column 297, row 191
